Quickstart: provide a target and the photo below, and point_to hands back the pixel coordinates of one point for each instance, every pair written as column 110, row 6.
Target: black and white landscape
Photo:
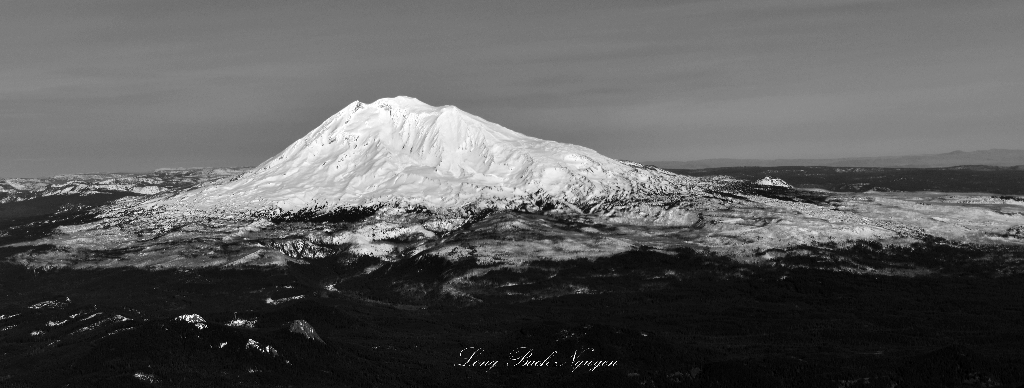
column 808, row 224
column 405, row 244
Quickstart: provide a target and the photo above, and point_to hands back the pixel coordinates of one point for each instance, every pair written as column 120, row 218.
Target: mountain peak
column 403, row 102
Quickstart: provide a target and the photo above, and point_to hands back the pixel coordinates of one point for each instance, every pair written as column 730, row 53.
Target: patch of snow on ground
column 239, row 322
column 113, row 319
column 194, row 319
column 146, row 377
column 51, row 304
column 272, row 301
column 267, row 349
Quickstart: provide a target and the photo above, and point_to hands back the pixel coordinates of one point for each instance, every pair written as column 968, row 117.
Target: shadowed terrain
column 711, row 323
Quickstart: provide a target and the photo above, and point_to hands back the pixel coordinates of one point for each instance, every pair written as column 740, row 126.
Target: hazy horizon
column 863, row 157
column 135, row 86
column 640, row 161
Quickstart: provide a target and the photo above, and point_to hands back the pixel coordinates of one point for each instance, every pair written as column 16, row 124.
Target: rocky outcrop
column 302, row 249
column 303, row 328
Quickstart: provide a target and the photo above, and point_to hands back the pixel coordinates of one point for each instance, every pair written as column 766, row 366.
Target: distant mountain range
column 994, row 157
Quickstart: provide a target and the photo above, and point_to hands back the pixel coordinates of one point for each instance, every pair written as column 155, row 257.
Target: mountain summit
column 401, row 151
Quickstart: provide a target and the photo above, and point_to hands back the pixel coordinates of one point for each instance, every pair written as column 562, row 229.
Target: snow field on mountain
column 402, row 152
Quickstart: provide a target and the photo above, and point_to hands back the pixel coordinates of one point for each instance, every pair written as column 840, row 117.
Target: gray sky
column 135, row 85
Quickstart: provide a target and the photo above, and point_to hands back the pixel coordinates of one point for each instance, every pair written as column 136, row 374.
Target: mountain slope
column 400, row 151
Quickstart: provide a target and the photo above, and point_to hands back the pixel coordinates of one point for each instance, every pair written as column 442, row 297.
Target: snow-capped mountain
column 401, row 151
column 769, row 181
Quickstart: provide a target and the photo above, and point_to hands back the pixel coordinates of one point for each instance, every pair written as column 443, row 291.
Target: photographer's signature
column 581, row 359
